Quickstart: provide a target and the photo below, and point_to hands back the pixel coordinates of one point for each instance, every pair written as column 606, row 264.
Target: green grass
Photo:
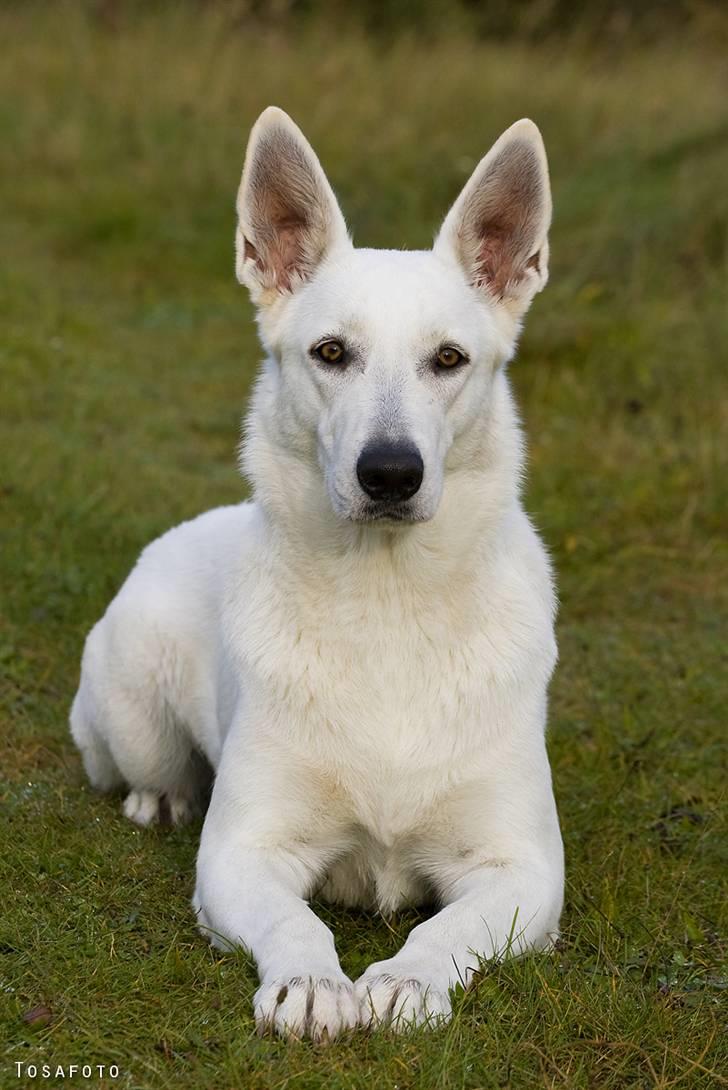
column 126, row 354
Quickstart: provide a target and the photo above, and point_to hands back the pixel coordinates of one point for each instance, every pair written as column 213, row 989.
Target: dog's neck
column 482, row 486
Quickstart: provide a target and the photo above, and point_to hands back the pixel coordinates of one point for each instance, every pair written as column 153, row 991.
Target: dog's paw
column 400, row 1000
column 147, row 807
column 306, row 1006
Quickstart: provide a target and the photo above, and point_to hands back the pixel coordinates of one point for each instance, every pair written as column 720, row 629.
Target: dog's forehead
column 390, row 294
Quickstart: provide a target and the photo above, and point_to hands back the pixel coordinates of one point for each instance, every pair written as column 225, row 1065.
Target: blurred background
column 126, row 354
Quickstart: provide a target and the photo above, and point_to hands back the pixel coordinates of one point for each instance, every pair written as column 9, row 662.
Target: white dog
column 362, row 652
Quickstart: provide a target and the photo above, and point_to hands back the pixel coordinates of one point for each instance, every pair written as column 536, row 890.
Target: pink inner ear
column 494, row 270
column 500, row 260
column 288, row 254
column 282, row 255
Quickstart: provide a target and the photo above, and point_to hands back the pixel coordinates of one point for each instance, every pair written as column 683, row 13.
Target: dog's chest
column 374, row 683
column 375, row 875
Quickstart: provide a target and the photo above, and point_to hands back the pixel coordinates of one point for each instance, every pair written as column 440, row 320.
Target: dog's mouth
column 388, row 513
column 381, row 512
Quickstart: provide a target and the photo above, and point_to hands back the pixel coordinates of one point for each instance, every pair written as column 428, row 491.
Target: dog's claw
column 315, row 1007
column 400, row 1002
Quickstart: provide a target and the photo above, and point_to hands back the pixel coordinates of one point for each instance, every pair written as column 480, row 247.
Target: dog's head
column 381, row 360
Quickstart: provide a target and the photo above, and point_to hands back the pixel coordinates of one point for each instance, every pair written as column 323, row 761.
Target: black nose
column 391, row 472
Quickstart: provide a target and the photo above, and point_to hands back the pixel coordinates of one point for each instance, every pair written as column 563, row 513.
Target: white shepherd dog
column 362, row 652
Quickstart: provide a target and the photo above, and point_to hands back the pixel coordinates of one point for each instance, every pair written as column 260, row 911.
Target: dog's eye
column 449, row 357
column 330, row 352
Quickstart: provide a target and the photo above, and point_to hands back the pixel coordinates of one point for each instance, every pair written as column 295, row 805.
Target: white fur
column 371, row 694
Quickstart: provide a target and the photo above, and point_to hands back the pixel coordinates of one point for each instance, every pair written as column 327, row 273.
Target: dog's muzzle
column 390, row 472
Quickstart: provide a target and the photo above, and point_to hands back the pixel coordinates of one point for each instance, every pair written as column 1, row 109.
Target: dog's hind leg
column 155, row 756
column 126, row 721
column 100, row 766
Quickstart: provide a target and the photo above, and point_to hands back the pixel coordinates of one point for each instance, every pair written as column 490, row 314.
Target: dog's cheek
column 430, row 501
column 473, row 404
column 300, row 406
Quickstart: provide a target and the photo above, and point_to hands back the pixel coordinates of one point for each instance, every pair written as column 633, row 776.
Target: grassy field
column 126, row 354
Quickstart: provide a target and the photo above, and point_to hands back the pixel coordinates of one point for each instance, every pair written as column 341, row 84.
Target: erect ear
column 288, row 217
column 498, row 227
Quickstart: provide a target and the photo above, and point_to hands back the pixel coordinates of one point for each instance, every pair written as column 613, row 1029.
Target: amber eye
column 449, row 357
column 330, row 352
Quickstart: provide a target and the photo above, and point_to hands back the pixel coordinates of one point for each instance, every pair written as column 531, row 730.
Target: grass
column 126, row 353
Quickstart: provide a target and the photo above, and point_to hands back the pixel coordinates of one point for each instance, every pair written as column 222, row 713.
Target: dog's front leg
column 257, row 863
column 499, row 872
column 496, row 912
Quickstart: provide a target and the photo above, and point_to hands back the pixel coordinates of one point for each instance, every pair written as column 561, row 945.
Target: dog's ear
column 288, row 216
column 498, row 227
